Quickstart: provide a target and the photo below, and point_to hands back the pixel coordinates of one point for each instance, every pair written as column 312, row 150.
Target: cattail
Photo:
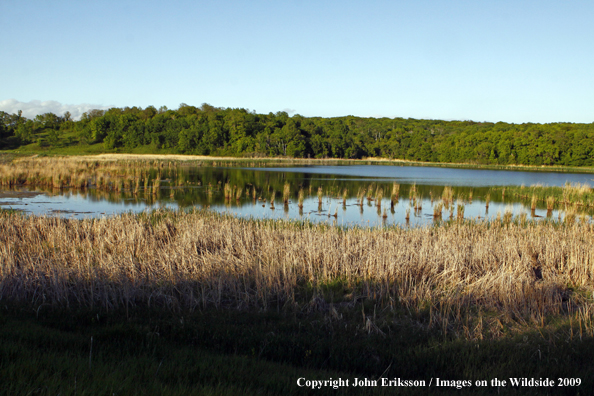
column 412, row 191
column 301, row 197
column 370, row 194
column 379, row 195
column 460, row 211
column 156, row 186
column 522, row 219
column 227, row 191
column 286, row 193
column 395, row 192
column 320, row 195
column 507, row 216
column 570, row 216
column 447, row 195
column 360, row 197
column 437, row 208
column 550, row 203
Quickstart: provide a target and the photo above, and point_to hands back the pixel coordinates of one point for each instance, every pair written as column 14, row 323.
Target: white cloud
column 36, row 107
column 289, row 111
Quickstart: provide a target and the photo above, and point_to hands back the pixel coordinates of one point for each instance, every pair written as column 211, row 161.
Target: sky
column 483, row 60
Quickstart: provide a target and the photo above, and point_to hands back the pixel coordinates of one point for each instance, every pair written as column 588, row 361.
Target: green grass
column 227, row 352
column 69, row 146
column 559, row 194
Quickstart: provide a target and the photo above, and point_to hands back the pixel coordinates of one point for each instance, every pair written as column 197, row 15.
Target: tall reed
column 447, row 196
column 437, row 209
column 533, row 202
column 286, row 193
column 193, row 260
column 395, row 192
column 379, row 195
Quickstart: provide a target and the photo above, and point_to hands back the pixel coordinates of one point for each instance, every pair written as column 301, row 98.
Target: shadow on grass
column 232, row 352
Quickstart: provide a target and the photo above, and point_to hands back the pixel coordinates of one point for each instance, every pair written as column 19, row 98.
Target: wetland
column 497, row 285
column 344, row 195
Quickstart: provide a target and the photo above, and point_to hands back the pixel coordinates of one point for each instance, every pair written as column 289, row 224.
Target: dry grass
column 456, row 274
column 78, row 173
column 447, row 196
column 395, row 192
column 286, row 193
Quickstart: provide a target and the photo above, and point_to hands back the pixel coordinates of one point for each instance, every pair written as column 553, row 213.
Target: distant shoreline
column 313, row 161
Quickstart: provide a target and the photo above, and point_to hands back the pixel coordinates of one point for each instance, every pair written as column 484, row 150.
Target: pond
column 350, row 195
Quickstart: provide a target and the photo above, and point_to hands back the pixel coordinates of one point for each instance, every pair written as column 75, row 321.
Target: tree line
column 209, row 130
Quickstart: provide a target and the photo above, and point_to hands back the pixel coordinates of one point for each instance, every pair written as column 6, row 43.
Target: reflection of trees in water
column 203, row 186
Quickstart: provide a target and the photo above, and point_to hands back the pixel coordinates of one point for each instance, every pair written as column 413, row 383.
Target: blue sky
column 513, row 61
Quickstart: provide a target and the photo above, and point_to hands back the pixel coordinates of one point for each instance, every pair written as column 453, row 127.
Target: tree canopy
column 210, row 130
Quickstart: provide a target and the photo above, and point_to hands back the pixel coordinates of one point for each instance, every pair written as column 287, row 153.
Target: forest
column 238, row 132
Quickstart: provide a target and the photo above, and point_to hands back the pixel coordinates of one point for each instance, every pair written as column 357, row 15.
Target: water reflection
column 272, row 194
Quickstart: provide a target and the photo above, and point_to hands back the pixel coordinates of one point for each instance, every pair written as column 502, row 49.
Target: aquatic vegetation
column 286, row 193
column 437, row 210
column 200, row 259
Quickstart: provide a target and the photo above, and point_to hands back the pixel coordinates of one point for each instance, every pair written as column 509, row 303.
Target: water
column 438, row 176
column 202, row 187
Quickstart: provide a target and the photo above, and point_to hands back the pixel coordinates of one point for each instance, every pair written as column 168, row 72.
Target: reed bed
column 570, row 194
column 74, row 172
column 503, row 275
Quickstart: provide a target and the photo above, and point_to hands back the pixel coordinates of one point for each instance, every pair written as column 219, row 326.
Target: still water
column 331, row 194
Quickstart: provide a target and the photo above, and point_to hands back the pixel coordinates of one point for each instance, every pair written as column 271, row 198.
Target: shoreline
column 107, row 157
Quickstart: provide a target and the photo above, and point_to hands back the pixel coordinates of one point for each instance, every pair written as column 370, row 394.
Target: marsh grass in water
column 197, row 260
column 137, row 184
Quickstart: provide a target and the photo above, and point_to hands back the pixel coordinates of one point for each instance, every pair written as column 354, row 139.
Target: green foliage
column 209, row 130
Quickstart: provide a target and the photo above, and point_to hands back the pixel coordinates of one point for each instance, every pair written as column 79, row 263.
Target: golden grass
column 286, row 193
column 520, row 274
column 76, row 173
column 395, row 192
column 437, row 210
column 447, row 196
